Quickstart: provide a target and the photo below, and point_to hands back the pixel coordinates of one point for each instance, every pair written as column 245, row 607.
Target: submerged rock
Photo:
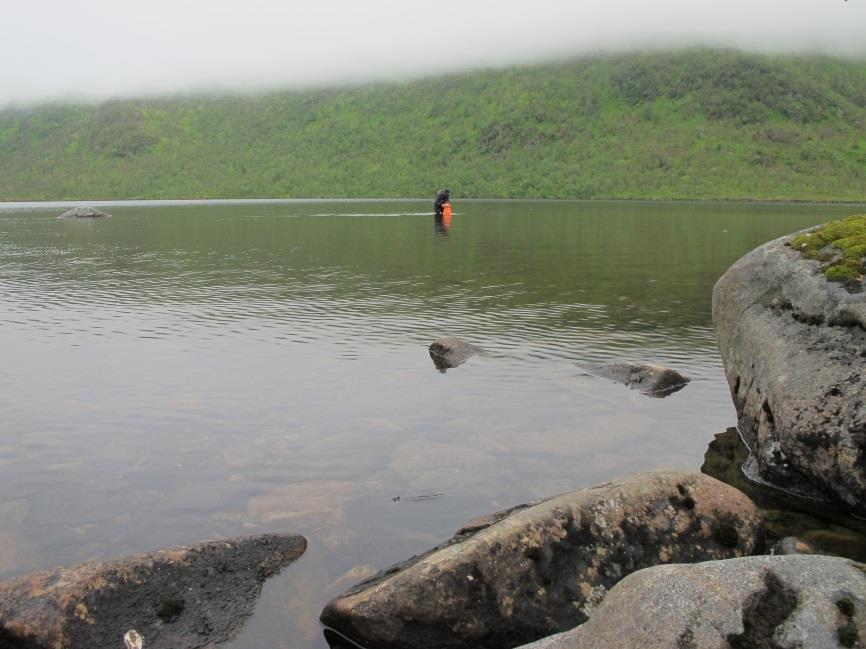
column 793, row 545
column 786, row 602
column 651, row 380
column 83, row 213
column 829, row 530
column 793, row 345
column 533, row 571
column 183, row 598
column 450, row 352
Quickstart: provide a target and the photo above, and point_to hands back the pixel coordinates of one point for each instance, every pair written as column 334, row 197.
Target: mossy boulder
column 793, row 345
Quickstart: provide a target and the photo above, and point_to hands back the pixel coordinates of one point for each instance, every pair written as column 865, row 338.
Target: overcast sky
column 104, row 48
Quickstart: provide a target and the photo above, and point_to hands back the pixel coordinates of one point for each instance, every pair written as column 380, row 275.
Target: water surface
column 184, row 371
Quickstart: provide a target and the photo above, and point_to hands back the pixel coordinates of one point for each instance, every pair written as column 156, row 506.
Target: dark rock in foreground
column 540, row 569
column 790, row 602
column 83, row 213
column 651, row 380
column 183, row 598
column 793, row 345
column 450, row 352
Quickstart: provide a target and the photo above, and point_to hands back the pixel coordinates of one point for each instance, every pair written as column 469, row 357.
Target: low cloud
column 93, row 49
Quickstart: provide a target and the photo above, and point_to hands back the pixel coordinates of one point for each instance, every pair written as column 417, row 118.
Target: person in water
column 443, row 197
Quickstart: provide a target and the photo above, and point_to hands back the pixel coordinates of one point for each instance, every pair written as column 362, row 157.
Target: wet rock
column 537, row 570
column 651, row 380
column 183, row 598
column 828, row 529
column 786, row 602
column 83, row 213
column 793, row 345
column 793, row 545
column 450, row 352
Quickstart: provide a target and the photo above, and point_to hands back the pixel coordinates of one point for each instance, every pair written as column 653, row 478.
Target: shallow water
column 184, row 371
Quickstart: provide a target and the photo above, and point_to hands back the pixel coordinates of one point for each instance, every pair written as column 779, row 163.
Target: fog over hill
column 95, row 49
column 692, row 124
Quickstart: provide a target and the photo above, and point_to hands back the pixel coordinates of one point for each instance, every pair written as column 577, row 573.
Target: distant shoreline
column 133, row 202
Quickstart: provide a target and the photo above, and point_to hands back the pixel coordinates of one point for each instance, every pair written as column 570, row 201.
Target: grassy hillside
column 692, row 124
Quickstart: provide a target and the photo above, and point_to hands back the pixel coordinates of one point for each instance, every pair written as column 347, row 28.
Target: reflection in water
column 829, row 530
column 180, row 372
column 337, row 641
column 442, row 223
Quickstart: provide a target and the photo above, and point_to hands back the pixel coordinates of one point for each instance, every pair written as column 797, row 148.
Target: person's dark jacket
column 442, row 196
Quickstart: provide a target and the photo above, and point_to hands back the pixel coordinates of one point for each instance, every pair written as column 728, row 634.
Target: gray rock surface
column 450, row 352
column 83, row 213
column 793, row 346
column 528, row 572
column 184, row 598
column 651, row 380
column 785, row 602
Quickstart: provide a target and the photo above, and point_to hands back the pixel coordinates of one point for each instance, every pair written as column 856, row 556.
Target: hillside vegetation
column 688, row 125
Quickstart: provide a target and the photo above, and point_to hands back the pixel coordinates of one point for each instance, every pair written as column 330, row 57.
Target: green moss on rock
column 839, row 245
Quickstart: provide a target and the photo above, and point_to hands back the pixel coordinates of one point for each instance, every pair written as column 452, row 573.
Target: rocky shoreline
column 663, row 559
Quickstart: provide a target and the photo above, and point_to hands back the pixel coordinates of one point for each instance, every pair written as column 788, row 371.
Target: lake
column 193, row 370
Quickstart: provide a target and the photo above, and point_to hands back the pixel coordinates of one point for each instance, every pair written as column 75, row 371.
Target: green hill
column 686, row 125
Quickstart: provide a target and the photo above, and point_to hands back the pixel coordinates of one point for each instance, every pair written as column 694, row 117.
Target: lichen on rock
column 840, row 247
column 189, row 597
column 537, row 570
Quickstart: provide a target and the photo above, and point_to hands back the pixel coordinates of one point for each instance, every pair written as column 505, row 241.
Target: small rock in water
column 450, row 352
column 83, row 213
column 651, row 380
column 793, row 545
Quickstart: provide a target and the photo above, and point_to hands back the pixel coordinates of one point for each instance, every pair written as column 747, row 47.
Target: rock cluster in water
column 793, row 345
column 656, row 560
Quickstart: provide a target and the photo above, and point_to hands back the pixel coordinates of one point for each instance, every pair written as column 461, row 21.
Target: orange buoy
column 446, row 210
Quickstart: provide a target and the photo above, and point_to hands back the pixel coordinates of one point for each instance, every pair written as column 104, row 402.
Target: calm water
column 190, row 371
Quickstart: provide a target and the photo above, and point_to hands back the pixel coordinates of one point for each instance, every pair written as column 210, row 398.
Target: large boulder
column 651, row 380
column 793, row 345
column 784, row 602
column 450, row 352
column 183, row 598
column 532, row 571
column 83, row 213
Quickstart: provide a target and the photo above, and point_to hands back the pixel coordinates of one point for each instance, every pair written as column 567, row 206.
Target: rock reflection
column 785, row 515
column 336, row 641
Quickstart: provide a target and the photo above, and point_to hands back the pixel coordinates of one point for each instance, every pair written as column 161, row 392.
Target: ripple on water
column 188, row 371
